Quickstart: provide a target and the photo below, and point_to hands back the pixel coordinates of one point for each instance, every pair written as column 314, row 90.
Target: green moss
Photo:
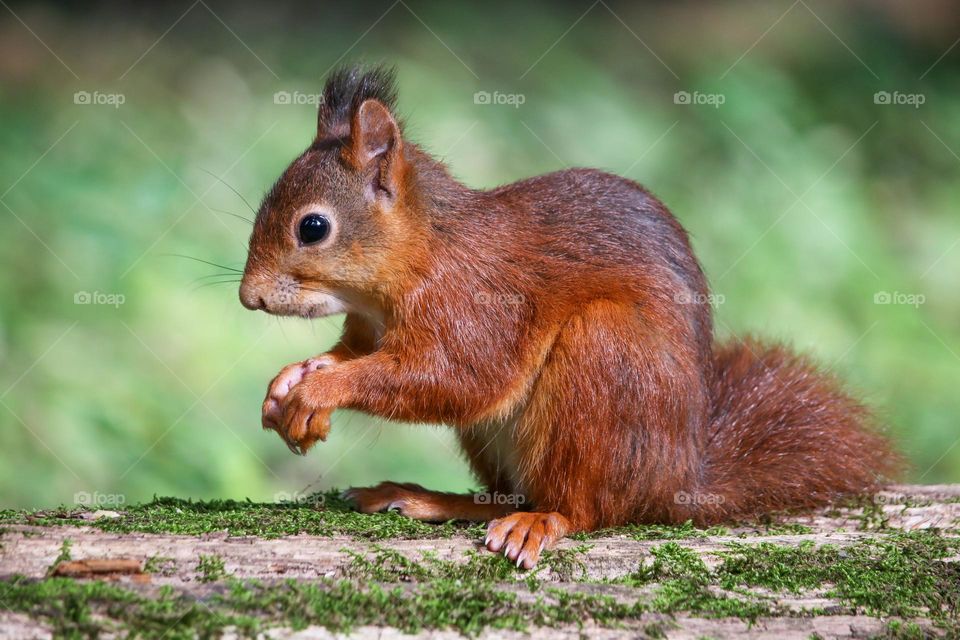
column 902, row 574
column 210, row 568
column 786, row 529
column 80, row 609
column 684, row 583
column 91, row 608
column 63, row 556
column 873, row 517
column 161, row 565
column 903, row 630
column 332, row 516
column 389, row 566
column 897, row 575
column 654, row 532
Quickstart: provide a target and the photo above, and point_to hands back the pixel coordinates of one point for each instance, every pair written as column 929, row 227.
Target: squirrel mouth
column 319, row 305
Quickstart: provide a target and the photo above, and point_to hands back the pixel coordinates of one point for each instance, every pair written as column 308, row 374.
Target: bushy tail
column 784, row 435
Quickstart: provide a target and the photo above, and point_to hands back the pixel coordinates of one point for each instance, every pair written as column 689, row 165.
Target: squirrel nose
column 250, row 297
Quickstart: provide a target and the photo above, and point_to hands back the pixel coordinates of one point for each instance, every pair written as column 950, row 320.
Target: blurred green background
column 812, row 201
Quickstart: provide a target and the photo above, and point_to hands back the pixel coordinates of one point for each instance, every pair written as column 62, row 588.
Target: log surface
column 144, row 563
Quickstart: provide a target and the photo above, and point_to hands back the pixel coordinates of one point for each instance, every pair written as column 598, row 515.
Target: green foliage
column 160, row 395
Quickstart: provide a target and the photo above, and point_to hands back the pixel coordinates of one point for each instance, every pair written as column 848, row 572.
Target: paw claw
column 523, row 536
column 395, row 507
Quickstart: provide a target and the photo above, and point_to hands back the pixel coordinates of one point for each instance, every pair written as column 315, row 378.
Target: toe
column 497, row 532
column 515, row 541
column 523, row 536
column 532, row 546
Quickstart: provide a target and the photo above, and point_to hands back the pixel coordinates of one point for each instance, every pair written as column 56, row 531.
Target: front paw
column 278, row 389
column 302, row 420
column 299, row 434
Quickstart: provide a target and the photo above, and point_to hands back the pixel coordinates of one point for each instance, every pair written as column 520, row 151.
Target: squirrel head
column 331, row 232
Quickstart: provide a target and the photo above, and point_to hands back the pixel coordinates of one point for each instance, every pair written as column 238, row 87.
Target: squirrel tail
column 784, row 435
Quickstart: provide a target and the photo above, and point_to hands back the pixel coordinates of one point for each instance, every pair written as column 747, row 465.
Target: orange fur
column 560, row 324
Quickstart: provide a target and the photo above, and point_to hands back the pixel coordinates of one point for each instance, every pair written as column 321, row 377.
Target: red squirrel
column 560, row 325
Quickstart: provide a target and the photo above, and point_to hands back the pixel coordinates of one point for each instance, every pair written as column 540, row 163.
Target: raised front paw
column 523, row 536
column 300, row 426
column 404, row 498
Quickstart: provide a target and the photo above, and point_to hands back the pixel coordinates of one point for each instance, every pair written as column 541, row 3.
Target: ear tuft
column 346, row 89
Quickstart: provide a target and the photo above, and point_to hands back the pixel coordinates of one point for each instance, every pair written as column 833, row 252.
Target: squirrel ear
column 375, row 147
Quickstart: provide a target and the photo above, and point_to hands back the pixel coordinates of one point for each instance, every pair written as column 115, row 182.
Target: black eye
column 314, row 228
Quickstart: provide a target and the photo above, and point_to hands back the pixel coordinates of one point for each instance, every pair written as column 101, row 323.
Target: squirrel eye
column 314, row 228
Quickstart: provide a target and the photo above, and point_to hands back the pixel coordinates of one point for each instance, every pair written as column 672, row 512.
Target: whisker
column 212, row 264
column 239, row 195
column 230, row 213
column 214, row 275
column 210, row 284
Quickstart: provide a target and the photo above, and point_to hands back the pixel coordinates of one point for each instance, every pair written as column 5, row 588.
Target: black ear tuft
column 346, row 89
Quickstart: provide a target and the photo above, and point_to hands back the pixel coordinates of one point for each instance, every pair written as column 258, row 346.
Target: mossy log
column 879, row 567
